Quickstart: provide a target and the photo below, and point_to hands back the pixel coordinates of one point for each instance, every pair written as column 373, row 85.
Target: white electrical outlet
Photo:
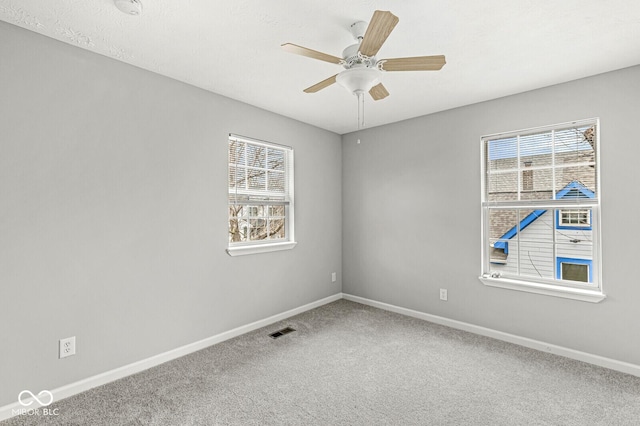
column 333, row 277
column 67, row 347
column 443, row 294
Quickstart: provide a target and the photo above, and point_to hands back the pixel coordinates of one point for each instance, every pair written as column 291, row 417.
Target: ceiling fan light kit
column 130, row 7
column 358, row 80
column 362, row 69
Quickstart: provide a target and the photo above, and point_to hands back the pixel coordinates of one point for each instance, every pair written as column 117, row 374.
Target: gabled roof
column 573, row 190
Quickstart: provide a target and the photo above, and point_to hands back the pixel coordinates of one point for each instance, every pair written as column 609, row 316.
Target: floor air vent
column 281, row 332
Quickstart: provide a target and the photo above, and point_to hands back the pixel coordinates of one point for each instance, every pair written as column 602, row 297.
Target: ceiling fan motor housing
column 352, row 57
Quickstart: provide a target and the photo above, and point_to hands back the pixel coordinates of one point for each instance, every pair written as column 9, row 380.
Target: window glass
column 575, row 272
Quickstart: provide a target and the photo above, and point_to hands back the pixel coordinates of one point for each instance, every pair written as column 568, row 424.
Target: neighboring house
column 550, row 247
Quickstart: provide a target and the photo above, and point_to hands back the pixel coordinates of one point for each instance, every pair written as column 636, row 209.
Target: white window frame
column 258, row 198
column 589, row 292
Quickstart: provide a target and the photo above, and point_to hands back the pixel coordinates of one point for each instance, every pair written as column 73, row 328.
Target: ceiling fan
column 363, row 70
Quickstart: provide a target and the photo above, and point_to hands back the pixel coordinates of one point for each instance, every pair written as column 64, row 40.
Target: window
column 570, row 219
column 540, row 211
column 260, row 196
column 574, row 269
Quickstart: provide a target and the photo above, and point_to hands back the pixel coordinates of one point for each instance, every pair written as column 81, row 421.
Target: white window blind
column 540, row 205
column 260, row 192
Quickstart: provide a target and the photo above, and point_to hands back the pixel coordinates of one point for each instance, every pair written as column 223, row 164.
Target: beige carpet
column 350, row 364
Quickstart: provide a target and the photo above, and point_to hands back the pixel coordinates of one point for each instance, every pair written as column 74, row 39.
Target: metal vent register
column 282, row 332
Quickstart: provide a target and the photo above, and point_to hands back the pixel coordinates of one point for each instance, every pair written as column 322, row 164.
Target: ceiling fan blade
column 418, row 63
column 310, row 53
column 378, row 92
column 319, row 86
column 381, row 25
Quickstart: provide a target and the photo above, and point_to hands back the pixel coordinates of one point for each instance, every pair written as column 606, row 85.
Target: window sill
column 259, row 248
column 593, row 296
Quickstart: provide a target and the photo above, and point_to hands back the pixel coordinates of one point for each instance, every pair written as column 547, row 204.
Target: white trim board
column 601, row 361
column 136, row 367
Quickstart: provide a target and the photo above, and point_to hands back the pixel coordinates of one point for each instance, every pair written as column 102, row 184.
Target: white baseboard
column 66, row 391
column 612, row 364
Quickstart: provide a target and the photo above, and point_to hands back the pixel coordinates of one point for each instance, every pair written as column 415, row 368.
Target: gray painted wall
column 411, row 216
column 113, row 214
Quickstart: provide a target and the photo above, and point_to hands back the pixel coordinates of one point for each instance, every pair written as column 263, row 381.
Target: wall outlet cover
column 443, row 294
column 67, row 347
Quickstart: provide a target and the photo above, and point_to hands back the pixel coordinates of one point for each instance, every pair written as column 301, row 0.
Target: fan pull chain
column 360, row 95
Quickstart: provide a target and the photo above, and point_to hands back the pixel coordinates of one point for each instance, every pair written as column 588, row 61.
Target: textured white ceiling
column 493, row 47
